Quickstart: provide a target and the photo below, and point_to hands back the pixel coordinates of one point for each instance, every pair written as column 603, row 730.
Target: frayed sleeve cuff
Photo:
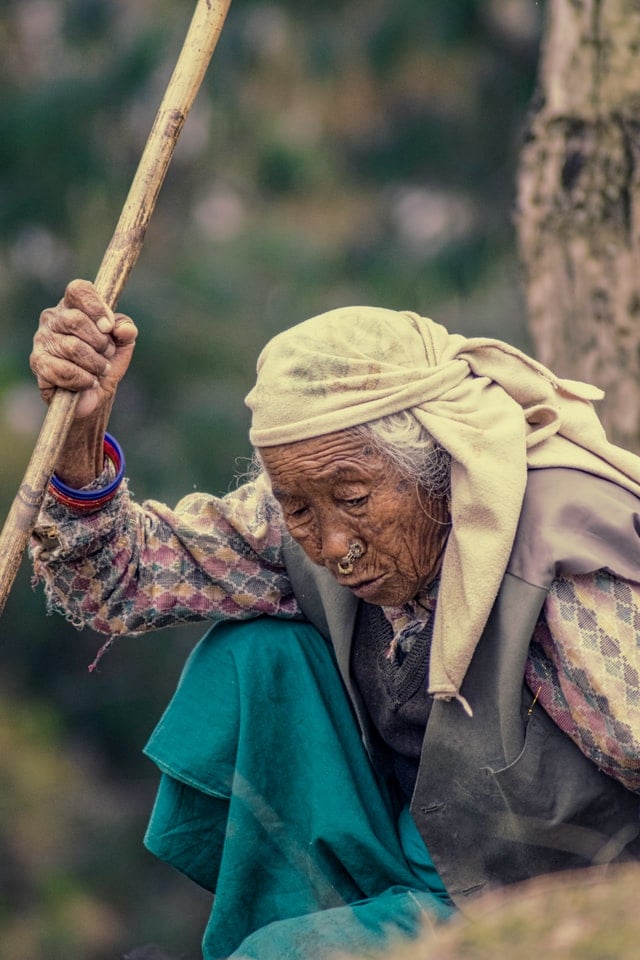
column 62, row 533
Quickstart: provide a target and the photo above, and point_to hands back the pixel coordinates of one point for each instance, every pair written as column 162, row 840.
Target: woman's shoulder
column 574, row 522
column 562, row 495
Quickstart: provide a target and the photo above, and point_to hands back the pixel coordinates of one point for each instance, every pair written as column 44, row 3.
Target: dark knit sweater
column 394, row 691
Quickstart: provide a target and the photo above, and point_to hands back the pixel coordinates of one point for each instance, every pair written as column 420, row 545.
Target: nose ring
column 345, row 565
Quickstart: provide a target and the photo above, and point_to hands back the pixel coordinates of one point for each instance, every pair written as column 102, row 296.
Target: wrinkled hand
column 82, row 346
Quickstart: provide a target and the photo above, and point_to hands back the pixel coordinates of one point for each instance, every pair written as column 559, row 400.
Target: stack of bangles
column 92, row 499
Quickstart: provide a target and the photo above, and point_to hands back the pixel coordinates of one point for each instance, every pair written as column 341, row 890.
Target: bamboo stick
column 117, row 263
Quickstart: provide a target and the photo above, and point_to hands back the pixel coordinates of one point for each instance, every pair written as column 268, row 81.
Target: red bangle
column 85, row 500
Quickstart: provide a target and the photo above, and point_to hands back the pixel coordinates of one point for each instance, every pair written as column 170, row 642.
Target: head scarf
column 495, row 410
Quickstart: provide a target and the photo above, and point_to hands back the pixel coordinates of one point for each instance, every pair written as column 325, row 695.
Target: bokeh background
column 343, row 151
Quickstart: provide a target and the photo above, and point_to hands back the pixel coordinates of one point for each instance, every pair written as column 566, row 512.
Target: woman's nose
column 335, row 541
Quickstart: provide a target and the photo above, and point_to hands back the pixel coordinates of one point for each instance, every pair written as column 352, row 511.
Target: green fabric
column 267, row 797
column 360, row 928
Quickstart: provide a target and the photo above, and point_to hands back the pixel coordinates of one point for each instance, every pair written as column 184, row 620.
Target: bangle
column 92, row 499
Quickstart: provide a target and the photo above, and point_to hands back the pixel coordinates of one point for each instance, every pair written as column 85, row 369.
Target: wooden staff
column 118, row 260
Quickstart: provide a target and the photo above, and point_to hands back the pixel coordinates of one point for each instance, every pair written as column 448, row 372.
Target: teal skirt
column 267, row 798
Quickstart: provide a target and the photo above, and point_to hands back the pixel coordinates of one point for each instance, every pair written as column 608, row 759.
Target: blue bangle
column 91, row 498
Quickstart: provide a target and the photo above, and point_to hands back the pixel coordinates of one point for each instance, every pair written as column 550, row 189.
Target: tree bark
column 578, row 212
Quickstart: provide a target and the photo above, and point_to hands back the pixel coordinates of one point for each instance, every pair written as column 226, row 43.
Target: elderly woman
column 424, row 678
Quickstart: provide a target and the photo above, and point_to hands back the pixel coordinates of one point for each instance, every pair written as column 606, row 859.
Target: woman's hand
column 81, row 345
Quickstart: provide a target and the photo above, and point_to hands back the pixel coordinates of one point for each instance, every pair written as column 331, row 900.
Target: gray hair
column 411, row 450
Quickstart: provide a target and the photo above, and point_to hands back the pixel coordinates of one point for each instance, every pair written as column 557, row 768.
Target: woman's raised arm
column 81, row 345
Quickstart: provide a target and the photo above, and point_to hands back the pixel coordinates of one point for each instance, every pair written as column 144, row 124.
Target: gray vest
column 505, row 795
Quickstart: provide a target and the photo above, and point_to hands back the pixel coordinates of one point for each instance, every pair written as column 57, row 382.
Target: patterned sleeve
column 584, row 666
column 131, row 567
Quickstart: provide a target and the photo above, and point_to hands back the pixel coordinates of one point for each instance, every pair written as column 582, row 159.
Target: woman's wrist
column 84, row 499
column 81, row 460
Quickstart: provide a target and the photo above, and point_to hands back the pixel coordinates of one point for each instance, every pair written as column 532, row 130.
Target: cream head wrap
column 493, row 408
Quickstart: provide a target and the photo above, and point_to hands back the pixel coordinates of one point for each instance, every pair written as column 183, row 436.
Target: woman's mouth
column 365, row 589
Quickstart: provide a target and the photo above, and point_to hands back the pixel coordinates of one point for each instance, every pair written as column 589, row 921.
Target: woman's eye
column 298, row 513
column 356, row 501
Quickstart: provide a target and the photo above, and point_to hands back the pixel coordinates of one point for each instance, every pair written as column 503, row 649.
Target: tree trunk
column 578, row 214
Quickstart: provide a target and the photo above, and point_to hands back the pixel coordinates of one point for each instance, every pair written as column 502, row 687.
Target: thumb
column 124, row 332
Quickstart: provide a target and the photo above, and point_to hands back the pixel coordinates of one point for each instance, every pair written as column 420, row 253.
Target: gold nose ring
column 345, row 566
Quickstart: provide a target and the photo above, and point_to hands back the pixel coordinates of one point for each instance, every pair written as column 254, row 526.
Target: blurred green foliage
column 341, row 151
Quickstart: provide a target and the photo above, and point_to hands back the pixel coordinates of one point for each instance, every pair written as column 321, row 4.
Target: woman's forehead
column 331, row 457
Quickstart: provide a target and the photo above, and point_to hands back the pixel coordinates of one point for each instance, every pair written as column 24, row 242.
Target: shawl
column 496, row 411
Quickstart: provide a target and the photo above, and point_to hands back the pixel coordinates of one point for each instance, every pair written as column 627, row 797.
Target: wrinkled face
column 334, row 491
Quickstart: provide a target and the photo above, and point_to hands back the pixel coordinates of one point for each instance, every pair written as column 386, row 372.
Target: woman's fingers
column 81, row 345
column 58, row 372
column 55, row 339
column 83, row 296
